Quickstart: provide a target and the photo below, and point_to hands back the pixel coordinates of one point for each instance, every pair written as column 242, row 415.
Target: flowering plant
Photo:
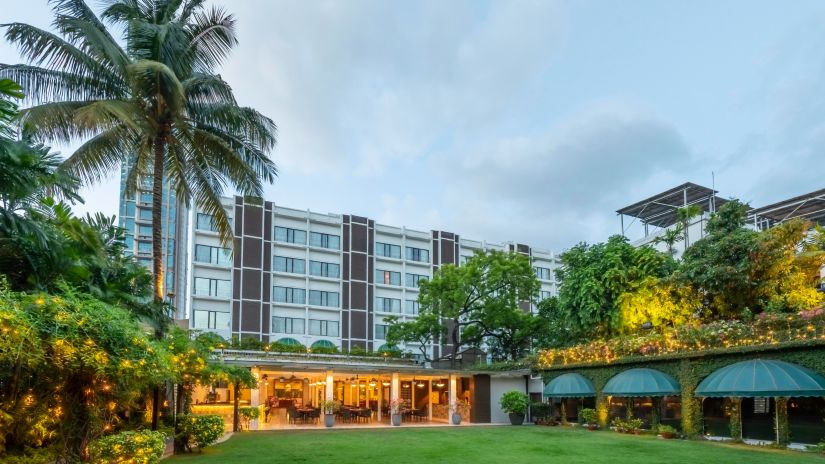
column 397, row 405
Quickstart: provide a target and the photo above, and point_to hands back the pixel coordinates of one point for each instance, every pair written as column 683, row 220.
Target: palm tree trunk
column 235, row 415
column 157, row 249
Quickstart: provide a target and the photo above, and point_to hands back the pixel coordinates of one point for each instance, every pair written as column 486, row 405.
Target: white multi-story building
column 320, row 279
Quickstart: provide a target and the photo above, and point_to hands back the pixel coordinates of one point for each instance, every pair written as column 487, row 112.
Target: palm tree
column 684, row 215
column 155, row 105
column 670, row 238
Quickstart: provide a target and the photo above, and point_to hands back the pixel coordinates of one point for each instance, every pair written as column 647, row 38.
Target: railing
column 252, row 355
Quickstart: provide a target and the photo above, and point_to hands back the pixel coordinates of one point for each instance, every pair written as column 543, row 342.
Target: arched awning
column 762, row 378
column 642, row 382
column 387, row 348
column 289, row 341
column 570, row 385
column 323, row 344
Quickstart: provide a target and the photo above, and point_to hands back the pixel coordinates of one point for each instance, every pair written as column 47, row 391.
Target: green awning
column 642, row 382
column 569, row 386
column 762, row 378
column 323, row 344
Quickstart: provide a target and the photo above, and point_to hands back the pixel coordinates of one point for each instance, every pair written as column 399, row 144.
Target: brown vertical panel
column 252, row 253
column 359, row 238
column 268, row 222
column 236, row 316
column 358, row 296
column 251, row 287
column 253, row 221
column 251, row 316
column 236, row 284
column 448, row 251
column 480, row 412
column 359, row 266
column 238, row 217
column 237, row 249
column 266, row 287
column 359, row 324
column 345, row 270
column 345, row 297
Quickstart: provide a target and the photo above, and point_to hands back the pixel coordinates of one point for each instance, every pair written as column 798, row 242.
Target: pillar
column 430, row 400
column 329, row 388
column 380, row 398
column 395, row 387
column 736, row 419
column 255, row 397
column 603, row 409
column 453, row 396
column 783, row 436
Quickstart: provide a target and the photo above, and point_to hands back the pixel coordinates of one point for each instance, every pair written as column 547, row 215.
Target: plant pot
column 592, row 427
column 516, row 419
column 636, row 432
column 456, row 418
column 668, row 435
column 329, row 420
column 396, row 419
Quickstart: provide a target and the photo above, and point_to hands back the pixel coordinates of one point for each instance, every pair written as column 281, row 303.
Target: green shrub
column 278, row 347
column 589, row 416
column 514, row 402
column 132, row 447
column 541, row 410
column 247, row 414
column 325, row 350
column 198, row 431
column 31, row 456
column 664, row 428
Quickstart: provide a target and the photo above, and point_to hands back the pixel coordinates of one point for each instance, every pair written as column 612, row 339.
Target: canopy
column 569, row 386
column 289, row 341
column 762, row 378
column 387, row 347
column 642, row 382
column 323, row 344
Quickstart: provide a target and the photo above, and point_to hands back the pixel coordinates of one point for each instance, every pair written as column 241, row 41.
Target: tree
column 594, row 277
column 465, row 305
column 156, row 106
column 239, row 377
column 684, row 215
column 670, row 237
column 422, row 331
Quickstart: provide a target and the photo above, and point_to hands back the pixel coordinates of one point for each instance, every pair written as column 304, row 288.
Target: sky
column 526, row 121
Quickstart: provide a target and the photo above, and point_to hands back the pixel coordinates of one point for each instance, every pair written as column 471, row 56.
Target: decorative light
column 439, row 383
column 385, row 383
column 405, row 385
column 372, row 382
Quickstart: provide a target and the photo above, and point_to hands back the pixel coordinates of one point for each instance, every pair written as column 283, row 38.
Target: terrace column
column 453, row 395
column 380, row 399
column 255, row 397
column 430, row 400
column 329, row 388
column 395, row 387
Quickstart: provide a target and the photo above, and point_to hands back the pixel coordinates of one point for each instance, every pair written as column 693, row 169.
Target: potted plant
column 634, row 426
column 330, row 407
column 590, row 418
column 396, row 408
column 515, row 404
column 455, row 412
column 667, row 431
column 542, row 413
column 619, row 425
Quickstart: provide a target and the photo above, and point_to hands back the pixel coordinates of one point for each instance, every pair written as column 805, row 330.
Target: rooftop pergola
column 660, row 210
column 810, row 206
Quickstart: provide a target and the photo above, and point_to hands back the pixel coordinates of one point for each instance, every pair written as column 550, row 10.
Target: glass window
column 387, row 305
column 285, row 234
column 293, row 265
column 214, row 320
column 543, row 273
column 322, row 327
column 381, row 331
column 321, row 298
column 288, row 325
column 289, row 295
column 213, row 287
column 387, row 250
column 387, row 277
column 411, row 307
column 145, row 231
column 213, row 255
column 412, row 280
column 146, row 197
column 543, row 295
column 130, row 209
column 146, row 214
column 205, row 222
column 417, row 254
column 145, row 247
column 318, row 268
column 318, row 239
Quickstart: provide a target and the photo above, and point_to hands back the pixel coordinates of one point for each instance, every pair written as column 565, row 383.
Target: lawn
column 492, row 444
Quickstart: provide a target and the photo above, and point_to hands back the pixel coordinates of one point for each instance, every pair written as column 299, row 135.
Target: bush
column 627, row 426
column 664, row 428
column 514, row 402
column 589, row 416
column 541, row 410
column 278, row 347
column 247, row 414
column 133, row 447
column 198, row 431
column 31, row 456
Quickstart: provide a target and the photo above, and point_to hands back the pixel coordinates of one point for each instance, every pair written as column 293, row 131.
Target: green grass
column 493, row 444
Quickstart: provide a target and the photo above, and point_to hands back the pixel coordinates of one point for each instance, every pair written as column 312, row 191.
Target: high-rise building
column 320, row 279
column 135, row 217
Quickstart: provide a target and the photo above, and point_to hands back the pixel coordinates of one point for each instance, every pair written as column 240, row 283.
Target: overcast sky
column 530, row 121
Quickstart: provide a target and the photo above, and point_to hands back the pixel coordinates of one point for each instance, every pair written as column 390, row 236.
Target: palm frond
column 75, row 20
column 155, row 80
column 101, row 154
column 213, row 37
column 61, row 86
column 203, row 88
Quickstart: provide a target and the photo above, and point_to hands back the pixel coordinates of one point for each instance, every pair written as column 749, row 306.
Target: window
column 761, row 406
column 412, row 280
column 145, row 231
column 287, row 325
column 129, row 209
column 321, row 298
column 213, row 255
column 284, row 234
column 411, row 307
column 464, row 259
column 318, row 239
column 146, row 214
column 387, row 277
column 212, row 287
column 206, row 222
column 146, row 197
column 289, row 295
column 293, row 265
column 325, row 328
column 543, row 273
column 387, row 250
column 387, row 305
column 144, row 247
column 318, row 268
column 381, row 331
column 543, row 295
column 213, row 320
column 418, row 254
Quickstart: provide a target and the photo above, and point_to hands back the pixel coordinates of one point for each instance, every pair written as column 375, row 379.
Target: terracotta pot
column 668, row 435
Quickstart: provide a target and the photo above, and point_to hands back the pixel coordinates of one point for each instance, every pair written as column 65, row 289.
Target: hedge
column 133, row 447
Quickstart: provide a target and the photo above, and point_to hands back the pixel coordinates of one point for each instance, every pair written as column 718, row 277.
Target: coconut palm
column 684, row 215
column 155, row 105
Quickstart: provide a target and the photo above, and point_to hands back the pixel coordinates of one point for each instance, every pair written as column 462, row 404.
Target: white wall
column 498, row 387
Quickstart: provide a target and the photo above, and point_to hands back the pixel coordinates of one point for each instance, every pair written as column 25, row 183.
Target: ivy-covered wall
column 689, row 370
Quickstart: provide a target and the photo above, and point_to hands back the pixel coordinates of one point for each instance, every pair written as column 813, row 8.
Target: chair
column 420, row 414
column 314, row 415
column 365, row 414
